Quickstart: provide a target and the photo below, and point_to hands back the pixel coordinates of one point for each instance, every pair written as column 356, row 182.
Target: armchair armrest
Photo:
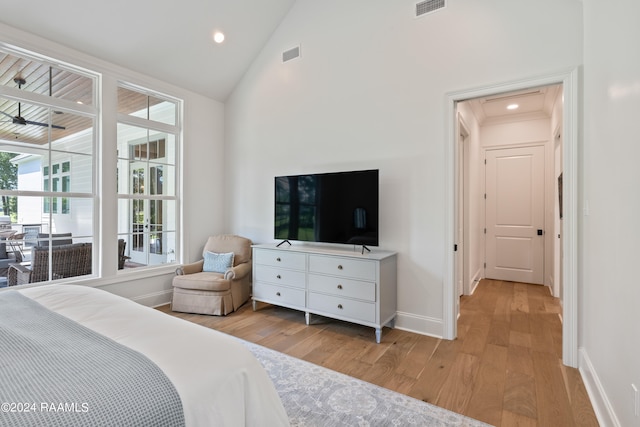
column 238, row 272
column 194, row 267
column 18, row 274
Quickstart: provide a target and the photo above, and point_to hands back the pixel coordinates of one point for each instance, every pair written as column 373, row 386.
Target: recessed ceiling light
column 512, row 106
column 218, row 37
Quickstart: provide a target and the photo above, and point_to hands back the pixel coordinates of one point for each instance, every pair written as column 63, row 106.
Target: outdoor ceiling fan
column 19, row 120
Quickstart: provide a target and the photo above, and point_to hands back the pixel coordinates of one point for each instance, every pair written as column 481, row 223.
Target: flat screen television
column 338, row 207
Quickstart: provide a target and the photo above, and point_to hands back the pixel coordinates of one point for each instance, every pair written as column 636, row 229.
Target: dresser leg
column 307, row 317
column 378, row 335
column 254, row 304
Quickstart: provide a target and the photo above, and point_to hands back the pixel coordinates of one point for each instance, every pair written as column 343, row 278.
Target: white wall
column 369, row 91
column 610, row 294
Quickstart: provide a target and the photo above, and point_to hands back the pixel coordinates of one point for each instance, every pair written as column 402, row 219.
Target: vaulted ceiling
column 170, row 41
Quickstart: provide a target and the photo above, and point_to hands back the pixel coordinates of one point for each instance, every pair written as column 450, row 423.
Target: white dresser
column 359, row 288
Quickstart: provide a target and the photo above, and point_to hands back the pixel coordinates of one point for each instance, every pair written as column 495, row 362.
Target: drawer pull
column 278, row 294
column 339, row 286
column 340, row 306
column 339, row 267
column 278, row 277
column 278, row 259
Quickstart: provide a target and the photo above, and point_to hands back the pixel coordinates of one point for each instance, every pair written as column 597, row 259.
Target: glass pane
column 77, row 136
column 34, row 76
column 25, row 169
column 123, row 218
column 137, row 181
column 27, row 211
column 155, row 178
column 164, row 182
column 8, row 170
column 28, row 123
column 8, row 210
column 136, row 143
column 167, row 152
column 138, row 104
column 148, row 232
column 162, row 111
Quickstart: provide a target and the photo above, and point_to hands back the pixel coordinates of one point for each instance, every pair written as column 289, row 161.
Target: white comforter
column 219, row 381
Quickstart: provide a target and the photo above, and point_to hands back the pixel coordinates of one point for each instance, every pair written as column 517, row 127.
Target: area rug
column 314, row 396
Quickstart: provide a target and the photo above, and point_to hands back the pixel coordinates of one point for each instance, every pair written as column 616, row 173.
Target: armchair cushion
column 203, row 281
column 217, row 263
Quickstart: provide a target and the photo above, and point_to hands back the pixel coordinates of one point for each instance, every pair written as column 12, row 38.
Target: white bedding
column 219, row 381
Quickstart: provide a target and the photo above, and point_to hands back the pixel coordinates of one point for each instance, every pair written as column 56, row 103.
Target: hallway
column 510, row 336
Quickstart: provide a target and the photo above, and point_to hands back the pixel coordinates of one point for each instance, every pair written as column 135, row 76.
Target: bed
column 185, row 374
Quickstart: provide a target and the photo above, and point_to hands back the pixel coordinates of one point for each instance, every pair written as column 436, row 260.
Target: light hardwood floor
column 505, row 368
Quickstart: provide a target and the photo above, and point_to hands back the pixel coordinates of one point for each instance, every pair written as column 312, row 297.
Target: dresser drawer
column 279, row 294
column 343, row 267
column 344, row 307
column 293, row 260
column 279, row 276
column 342, row 287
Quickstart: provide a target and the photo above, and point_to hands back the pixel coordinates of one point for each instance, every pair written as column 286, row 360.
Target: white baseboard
column 601, row 405
column 477, row 277
column 154, row 299
column 422, row 325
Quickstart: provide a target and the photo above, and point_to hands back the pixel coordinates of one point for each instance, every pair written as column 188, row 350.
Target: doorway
column 569, row 82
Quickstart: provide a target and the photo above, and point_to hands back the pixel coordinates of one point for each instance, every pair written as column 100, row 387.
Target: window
column 147, row 210
column 47, row 148
column 61, row 182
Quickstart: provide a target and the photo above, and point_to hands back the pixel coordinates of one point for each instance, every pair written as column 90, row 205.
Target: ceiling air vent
column 428, row 6
column 290, row 54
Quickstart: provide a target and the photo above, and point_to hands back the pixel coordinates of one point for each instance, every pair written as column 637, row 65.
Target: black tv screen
column 339, row 207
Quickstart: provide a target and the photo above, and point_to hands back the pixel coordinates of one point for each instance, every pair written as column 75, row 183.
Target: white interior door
column 515, row 214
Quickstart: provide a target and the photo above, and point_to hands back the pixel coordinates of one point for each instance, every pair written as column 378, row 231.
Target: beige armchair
column 211, row 292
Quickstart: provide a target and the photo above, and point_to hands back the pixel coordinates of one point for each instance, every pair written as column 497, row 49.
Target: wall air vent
column 290, row 54
column 428, row 6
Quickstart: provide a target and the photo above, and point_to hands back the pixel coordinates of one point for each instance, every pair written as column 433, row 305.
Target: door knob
column 540, row 232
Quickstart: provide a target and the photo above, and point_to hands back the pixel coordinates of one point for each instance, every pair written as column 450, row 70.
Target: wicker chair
column 66, row 260
column 122, row 258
